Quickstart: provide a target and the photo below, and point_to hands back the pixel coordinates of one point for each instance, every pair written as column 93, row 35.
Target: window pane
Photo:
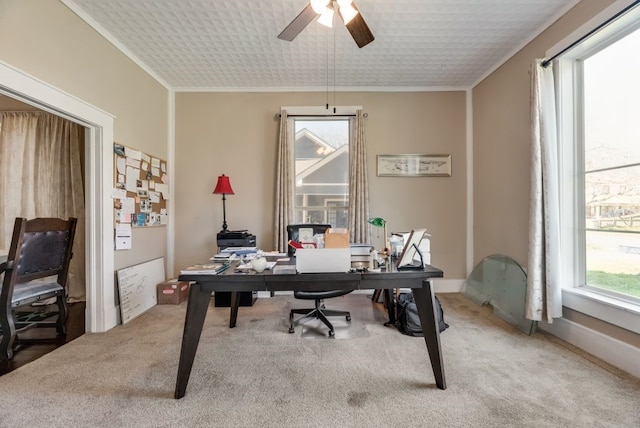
column 612, row 166
column 322, row 171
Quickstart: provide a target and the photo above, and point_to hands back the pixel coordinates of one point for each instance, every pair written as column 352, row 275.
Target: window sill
column 614, row 311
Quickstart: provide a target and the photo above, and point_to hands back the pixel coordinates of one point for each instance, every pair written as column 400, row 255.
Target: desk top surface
column 328, row 280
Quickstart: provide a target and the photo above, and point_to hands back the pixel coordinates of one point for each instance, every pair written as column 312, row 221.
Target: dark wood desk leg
column 424, row 298
column 235, row 302
column 193, row 322
column 391, row 310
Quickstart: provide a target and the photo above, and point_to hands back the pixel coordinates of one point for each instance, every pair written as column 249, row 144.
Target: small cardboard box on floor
column 172, row 292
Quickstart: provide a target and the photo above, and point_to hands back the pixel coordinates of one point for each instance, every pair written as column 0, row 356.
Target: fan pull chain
column 327, row 94
column 334, row 72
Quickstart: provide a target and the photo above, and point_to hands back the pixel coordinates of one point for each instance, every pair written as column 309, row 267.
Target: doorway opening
column 101, row 310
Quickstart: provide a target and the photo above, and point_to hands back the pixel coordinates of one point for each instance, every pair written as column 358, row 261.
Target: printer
column 235, row 238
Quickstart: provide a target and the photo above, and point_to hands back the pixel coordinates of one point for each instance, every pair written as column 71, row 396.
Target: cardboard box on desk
column 172, row 292
column 336, row 238
column 318, row 260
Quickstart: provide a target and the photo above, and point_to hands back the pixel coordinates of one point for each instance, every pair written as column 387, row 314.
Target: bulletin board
column 137, row 287
column 141, row 188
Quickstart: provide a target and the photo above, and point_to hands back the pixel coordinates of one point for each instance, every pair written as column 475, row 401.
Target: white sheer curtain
column 285, row 185
column 358, row 184
column 41, row 176
column 544, row 298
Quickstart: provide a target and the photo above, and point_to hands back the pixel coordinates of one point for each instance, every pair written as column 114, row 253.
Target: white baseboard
column 263, row 294
column 448, row 285
column 613, row 351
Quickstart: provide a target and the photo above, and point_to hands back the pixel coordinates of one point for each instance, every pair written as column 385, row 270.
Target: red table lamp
column 223, row 186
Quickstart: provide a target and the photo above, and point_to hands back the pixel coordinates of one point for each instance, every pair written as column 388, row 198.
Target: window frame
column 617, row 309
column 310, row 113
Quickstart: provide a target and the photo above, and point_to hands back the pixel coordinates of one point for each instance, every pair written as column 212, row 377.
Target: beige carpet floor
column 258, row 375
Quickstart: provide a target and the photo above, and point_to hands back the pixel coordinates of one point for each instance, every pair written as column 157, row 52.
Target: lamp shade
column 319, row 6
column 377, row 221
column 326, row 18
column 223, row 186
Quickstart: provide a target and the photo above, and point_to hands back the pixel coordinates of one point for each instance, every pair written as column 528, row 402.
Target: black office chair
column 319, row 311
column 40, row 248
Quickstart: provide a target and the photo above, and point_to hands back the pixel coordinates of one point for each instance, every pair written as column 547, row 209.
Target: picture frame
column 411, row 247
column 414, row 165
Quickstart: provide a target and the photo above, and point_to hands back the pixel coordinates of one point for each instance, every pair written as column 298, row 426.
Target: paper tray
column 317, row 260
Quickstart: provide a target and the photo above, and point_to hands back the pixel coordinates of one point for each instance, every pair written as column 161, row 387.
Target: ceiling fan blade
column 359, row 30
column 298, row 24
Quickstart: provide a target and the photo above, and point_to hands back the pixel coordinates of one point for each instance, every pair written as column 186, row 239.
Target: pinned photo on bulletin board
column 141, row 190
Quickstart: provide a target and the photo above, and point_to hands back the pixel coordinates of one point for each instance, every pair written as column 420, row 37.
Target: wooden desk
column 200, row 295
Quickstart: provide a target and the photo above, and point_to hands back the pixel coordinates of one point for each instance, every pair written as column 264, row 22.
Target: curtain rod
column 546, row 62
column 278, row 115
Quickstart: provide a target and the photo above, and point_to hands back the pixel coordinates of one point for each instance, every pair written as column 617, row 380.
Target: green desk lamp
column 380, row 222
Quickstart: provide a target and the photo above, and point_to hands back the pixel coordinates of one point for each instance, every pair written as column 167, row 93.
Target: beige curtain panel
column 41, row 176
column 358, row 184
column 284, row 185
column 544, row 291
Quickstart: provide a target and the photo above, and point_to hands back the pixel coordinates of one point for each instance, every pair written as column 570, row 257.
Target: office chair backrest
column 293, row 232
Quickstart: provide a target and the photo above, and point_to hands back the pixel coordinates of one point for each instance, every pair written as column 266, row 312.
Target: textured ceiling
column 233, row 44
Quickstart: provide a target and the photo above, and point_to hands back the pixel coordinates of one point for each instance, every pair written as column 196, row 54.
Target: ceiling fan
column 324, row 11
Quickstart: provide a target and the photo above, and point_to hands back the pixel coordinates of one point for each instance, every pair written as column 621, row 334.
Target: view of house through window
column 611, row 88
column 322, row 171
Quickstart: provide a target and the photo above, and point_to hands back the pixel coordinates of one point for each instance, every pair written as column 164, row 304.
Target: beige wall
column 236, row 134
column 46, row 40
column 501, row 149
column 501, row 122
column 11, row 104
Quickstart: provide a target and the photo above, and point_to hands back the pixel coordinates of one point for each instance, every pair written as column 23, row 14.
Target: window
column 321, row 170
column 599, row 112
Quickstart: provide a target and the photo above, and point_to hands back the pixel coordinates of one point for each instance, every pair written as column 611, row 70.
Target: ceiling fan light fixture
column 347, row 12
column 323, row 11
column 319, row 6
column 326, row 18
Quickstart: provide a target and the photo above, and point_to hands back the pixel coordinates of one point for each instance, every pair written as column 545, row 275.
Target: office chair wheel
column 292, row 330
column 332, row 333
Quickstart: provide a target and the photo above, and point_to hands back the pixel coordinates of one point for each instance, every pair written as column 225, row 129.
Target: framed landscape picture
column 414, row 165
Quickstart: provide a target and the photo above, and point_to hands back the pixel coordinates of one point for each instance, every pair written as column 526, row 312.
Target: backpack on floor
column 407, row 318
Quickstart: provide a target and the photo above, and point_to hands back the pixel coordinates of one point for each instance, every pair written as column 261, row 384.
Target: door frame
column 101, row 312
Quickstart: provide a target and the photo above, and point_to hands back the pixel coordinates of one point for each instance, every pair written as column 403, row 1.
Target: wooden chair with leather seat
column 36, row 269
column 319, row 311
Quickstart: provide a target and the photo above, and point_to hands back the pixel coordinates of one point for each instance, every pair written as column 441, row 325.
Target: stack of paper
column 284, row 269
column 211, row 269
column 239, row 251
column 360, row 249
column 222, row 257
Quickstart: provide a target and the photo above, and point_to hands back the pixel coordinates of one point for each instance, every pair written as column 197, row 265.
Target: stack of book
column 360, row 255
column 210, row 269
column 240, row 251
column 222, row 258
